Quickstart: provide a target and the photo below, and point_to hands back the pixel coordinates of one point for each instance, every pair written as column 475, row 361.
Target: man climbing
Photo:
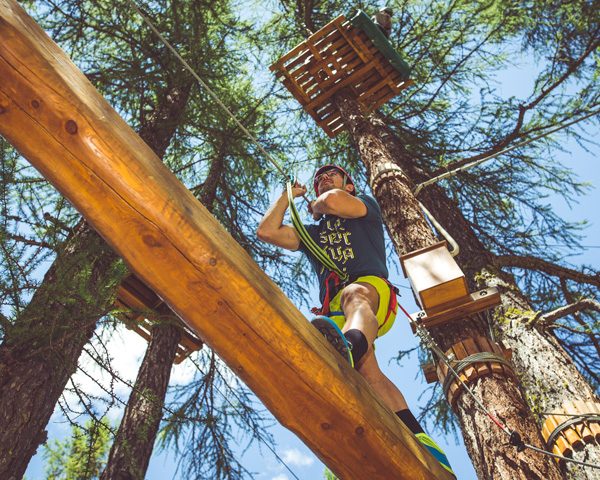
column 350, row 230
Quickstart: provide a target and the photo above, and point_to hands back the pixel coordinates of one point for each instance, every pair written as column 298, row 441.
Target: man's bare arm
column 339, row 203
column 271, row 228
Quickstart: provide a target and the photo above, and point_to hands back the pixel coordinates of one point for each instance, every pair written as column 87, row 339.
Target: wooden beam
column 57, row 120
column 455, row 311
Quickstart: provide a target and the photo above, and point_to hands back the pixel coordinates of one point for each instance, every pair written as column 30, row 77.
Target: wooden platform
column 140, row 306
column 476, row 302
column 338, row 56
column 438, row 371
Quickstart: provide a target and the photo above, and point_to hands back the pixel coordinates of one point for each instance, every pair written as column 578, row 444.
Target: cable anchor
column 516, row 441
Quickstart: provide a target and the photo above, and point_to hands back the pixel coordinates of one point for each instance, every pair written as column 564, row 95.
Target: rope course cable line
column 514, row 436
column 214, row 96
column 455, row 171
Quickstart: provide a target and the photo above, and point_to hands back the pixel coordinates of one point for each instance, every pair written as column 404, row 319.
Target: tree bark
column 487, row 445
column 41, row 350
column 130, row 453
column 547, row 374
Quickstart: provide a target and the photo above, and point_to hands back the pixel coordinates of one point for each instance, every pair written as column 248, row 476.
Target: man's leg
column 360, row 302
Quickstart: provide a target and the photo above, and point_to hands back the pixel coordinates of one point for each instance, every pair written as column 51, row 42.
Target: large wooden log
column 57, row 120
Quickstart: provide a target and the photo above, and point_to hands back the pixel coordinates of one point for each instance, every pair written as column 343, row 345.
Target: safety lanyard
column 306, row 239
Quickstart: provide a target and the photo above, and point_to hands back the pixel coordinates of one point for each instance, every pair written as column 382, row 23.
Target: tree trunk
column 487, row 445
column 548, row 375
column 130, row 453
column 40, row 352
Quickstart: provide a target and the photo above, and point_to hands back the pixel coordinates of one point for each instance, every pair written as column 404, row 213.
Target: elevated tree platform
column 343, row 54
column 141, row 308
column 52, row 114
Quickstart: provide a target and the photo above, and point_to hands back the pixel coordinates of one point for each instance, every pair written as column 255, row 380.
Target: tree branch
column 30, row 242
column 578, row 306
column 516, row 132
column 533, row 263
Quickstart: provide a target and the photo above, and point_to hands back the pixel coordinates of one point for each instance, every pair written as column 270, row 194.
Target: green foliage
column 80, row 457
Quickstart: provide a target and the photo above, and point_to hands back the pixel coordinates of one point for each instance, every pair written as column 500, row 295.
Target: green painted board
column 361, row 20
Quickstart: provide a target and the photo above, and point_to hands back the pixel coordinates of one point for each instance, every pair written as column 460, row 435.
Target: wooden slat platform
column 338, row 56
column 139, row 306
column 462, row 350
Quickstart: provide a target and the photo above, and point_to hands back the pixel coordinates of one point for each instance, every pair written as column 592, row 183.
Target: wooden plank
column 478, row 301
column 480, row 344
column 346, row 73
column 571, row 434
column 356, row 76
column 337, row 41
column 583, row 428
column 294, row 51
column 345, row 31
column 592, row 407
column 463, row 350
column 144, row 304
column 561, row 446
column 429, row 371
column 324, row 86
column 52, row 114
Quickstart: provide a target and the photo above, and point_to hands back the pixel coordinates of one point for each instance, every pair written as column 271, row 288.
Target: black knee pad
column 359, row 344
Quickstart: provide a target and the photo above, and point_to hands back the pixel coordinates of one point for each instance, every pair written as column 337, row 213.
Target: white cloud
column 295, row 457
column 183, row 373
column 281, row 477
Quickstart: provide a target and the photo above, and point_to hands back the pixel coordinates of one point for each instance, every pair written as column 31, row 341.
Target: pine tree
column 81, row 456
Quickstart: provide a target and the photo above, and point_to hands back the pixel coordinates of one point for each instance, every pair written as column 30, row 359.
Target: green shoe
column 435, row 450
column 328, row 475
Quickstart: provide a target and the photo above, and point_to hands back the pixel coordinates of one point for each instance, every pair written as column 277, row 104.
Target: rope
column 452, row 173
column 479, row 357
column 514, row 436
column 307, row 240
column 214, row 96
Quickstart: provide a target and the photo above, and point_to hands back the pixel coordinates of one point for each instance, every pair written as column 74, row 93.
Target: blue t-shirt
column 356, row 245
